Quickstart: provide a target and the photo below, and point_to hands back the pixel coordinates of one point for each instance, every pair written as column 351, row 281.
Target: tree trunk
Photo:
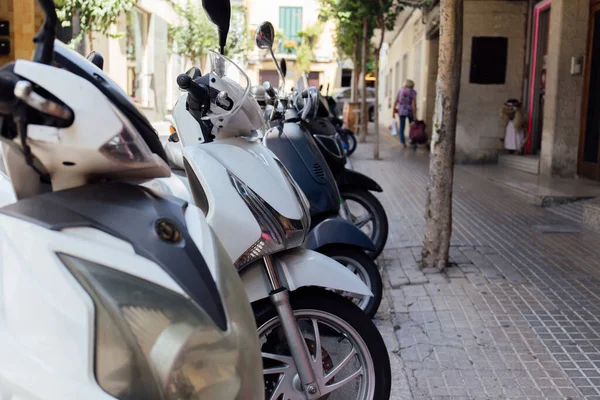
column 91, row 40
column 354, row 97
column 438, row 230
column 364, row 118
column 381, row 26
column 76, row 26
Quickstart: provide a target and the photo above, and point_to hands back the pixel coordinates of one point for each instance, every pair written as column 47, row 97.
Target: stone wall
column 562, row 109
column 479, row 127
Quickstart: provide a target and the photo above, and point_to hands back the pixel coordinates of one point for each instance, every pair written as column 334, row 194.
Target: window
column 397, row 82
column 290, row 22
column 268, row 75
column 489, row 56
column 313, row 79
column 136, row 37
column 417, row 66
column 388, row 88
column 175, row 66
column 404, row 69
column 346, row 77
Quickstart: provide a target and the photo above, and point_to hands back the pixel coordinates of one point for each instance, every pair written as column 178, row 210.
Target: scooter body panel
column 300, row 268
column 48, row 320
column 350, row 178
column 297, row 150
column 336, row 230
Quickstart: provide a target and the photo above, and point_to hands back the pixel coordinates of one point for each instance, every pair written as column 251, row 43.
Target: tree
column 386, row 13
column 310, row 37
column 364, row 120
column 438, row 230
column 349, row 16
column 195, row 35
column 93, row 16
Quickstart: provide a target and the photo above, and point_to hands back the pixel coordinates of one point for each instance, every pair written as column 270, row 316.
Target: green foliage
column 95, row 16
column 196, row 35
column 310, row 38
column 348, row 16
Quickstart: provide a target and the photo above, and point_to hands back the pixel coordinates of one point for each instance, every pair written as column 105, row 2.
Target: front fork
column 280, row 297
column 345, row 211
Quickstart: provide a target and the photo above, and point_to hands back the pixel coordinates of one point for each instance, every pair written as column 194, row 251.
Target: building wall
column 157, row 74
column 562, row 109
column 479, row 127
column 407, row 57
column 25, row 19
column 325, row 52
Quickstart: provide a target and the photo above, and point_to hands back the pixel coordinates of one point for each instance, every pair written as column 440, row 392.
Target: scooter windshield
column 229, row 87
column 302, row 83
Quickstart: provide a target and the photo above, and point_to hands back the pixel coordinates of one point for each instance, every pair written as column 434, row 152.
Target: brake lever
column 24, row 92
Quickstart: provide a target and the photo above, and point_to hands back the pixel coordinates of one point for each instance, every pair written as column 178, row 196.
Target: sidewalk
column 517, row 314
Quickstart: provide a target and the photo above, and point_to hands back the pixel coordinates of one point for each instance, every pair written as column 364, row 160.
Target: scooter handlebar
column 197, row 90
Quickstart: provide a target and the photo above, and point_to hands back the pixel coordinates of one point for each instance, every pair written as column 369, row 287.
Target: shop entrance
column 589, row 142
column 537, row 89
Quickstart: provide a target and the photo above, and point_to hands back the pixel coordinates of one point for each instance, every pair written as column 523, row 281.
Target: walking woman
column 405, row 106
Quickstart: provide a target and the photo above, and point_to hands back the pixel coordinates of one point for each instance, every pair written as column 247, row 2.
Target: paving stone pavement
column 517, row 314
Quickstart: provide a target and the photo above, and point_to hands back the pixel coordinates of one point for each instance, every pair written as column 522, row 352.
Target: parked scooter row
column 109, row 290
column 135, row 287
column 358, row 205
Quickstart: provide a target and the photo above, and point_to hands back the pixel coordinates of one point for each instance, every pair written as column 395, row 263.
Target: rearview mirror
column 96, row 59
column 219, row 13
column 265, row 36
column 283, row 67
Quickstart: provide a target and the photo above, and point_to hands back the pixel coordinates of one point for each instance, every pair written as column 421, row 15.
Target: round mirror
column 283, row 67
column 265, row 35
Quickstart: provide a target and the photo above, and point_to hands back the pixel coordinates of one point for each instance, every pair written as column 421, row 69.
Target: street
column 516, row 315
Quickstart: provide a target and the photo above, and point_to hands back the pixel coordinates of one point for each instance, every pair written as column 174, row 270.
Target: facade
column 412, row 53
column 141, row 61
column 544, row 53
column 289, row 17
column 23, row 19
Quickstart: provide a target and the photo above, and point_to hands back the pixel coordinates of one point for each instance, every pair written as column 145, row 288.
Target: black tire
column 380, row 230
column 322, row 301
column 372, row 276
column 350, row 140
column 371, row 114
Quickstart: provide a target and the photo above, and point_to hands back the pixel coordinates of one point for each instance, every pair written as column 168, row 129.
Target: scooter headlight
column 278, row 232
column 152, row 343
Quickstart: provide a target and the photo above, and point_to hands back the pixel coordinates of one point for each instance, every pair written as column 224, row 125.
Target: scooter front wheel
column 349, row 357
column 367, row 213
column 360, row 264
column 350, row 139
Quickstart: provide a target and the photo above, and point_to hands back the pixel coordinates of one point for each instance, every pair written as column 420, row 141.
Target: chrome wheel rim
column 363, row 218
column 359, row 270
column 352, row 368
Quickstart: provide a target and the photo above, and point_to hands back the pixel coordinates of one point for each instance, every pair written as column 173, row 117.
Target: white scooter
column 107, row 290
column 315, row 343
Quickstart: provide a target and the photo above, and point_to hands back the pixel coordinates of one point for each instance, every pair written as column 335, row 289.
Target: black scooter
column 337, row 119
column 359, row 205
column 295, row 147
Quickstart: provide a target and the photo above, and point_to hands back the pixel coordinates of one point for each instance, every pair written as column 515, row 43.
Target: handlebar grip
column 271, row 92
column 197, row 90
column 7, row 86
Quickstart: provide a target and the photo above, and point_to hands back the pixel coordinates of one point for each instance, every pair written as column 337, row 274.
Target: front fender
column 350, row 178
column 299, row 268
column 336, row 230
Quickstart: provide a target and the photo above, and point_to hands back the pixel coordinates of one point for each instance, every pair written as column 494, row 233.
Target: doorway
column 589, row 142
column 537, row 89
